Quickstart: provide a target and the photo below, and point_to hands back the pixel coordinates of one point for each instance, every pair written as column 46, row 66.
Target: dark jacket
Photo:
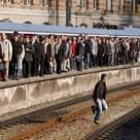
column 109, row 50
column 17, row 49
column 80, row 51
column 117, row 47
column 124, row 48
column 100, row 90
column 41, row 51
column 35, row 48
column 101, row 49
column 60, row 55
column 132, row 46
column 28, row 52
column 48, row 54
column 88, row 46
column 1, row 56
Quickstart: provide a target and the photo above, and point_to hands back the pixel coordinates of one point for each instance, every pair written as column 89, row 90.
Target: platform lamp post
column 68, row 12
column 106, row 25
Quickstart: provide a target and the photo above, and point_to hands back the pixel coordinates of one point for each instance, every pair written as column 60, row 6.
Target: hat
column 16, row 34
column 41, row 38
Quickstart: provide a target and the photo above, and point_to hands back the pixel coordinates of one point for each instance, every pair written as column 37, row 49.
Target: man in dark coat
column 117, row 52
column 2, row 70
column 28, row 57
column 59, row 54
column 101, row 51
column 99, row 96
column 109, row 53
column 18, row 56
column 41, row 56
column 1, row 55
column 133, row 48
column 124, row 52
column 35, row 63
column 88, row 46
column 80, row 52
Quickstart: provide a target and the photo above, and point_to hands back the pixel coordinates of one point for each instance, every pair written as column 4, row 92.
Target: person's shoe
column 5, row 80
column 96, row 122
column 17, row 78
column 41, row 75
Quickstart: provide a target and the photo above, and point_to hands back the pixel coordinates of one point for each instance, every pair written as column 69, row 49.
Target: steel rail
column 103, row 132
column 70, row 116
column 67, row 103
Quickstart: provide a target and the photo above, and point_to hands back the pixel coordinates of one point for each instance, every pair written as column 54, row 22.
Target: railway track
column 125, row 128
column 25, row 126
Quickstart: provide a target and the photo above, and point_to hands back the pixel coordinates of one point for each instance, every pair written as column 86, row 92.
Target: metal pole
column 68, row 12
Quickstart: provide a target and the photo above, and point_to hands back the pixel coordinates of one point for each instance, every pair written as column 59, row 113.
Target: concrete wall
column 16, row 95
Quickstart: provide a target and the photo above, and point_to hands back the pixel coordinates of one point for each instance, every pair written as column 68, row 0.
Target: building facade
column 83, row 12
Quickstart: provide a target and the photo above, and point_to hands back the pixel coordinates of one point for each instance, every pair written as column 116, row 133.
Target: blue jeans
column 100, row 107
column 18, row 68
column 87, row 61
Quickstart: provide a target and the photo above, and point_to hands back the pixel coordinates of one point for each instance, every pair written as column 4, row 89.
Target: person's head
column 59, row 40
column 81, row 40
column 74, row 39
column 0, row 37
column 46, row 39
column 3, row 36
column 103, row 77
column 86, row 37
column 41, row 39
column 16, row 37
column 34, row 37
column 27, row 39
column 69, row 40
column 52, row 37
column 94, row 38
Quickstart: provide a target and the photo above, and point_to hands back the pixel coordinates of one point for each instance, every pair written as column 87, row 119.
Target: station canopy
column 9, row 27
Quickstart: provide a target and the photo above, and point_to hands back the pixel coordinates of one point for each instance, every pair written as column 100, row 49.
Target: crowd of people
column 33, row 55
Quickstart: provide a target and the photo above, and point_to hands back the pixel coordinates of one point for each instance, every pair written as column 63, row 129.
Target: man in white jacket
column 7, row 52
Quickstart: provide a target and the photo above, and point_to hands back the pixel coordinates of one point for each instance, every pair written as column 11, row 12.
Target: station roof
column 52, row 29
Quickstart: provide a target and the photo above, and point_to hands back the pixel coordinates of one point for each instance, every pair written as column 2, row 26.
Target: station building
column 83, row 12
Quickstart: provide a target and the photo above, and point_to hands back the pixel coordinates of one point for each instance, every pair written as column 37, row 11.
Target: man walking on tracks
column 99, row 96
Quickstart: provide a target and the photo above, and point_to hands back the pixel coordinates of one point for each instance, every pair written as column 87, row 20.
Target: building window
column 96, row 4
column 27, row 2
column 7, row 1
column 82, row 4
column 121, row 6
column 43, row 2
column 109, row 6
column 3, row 1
